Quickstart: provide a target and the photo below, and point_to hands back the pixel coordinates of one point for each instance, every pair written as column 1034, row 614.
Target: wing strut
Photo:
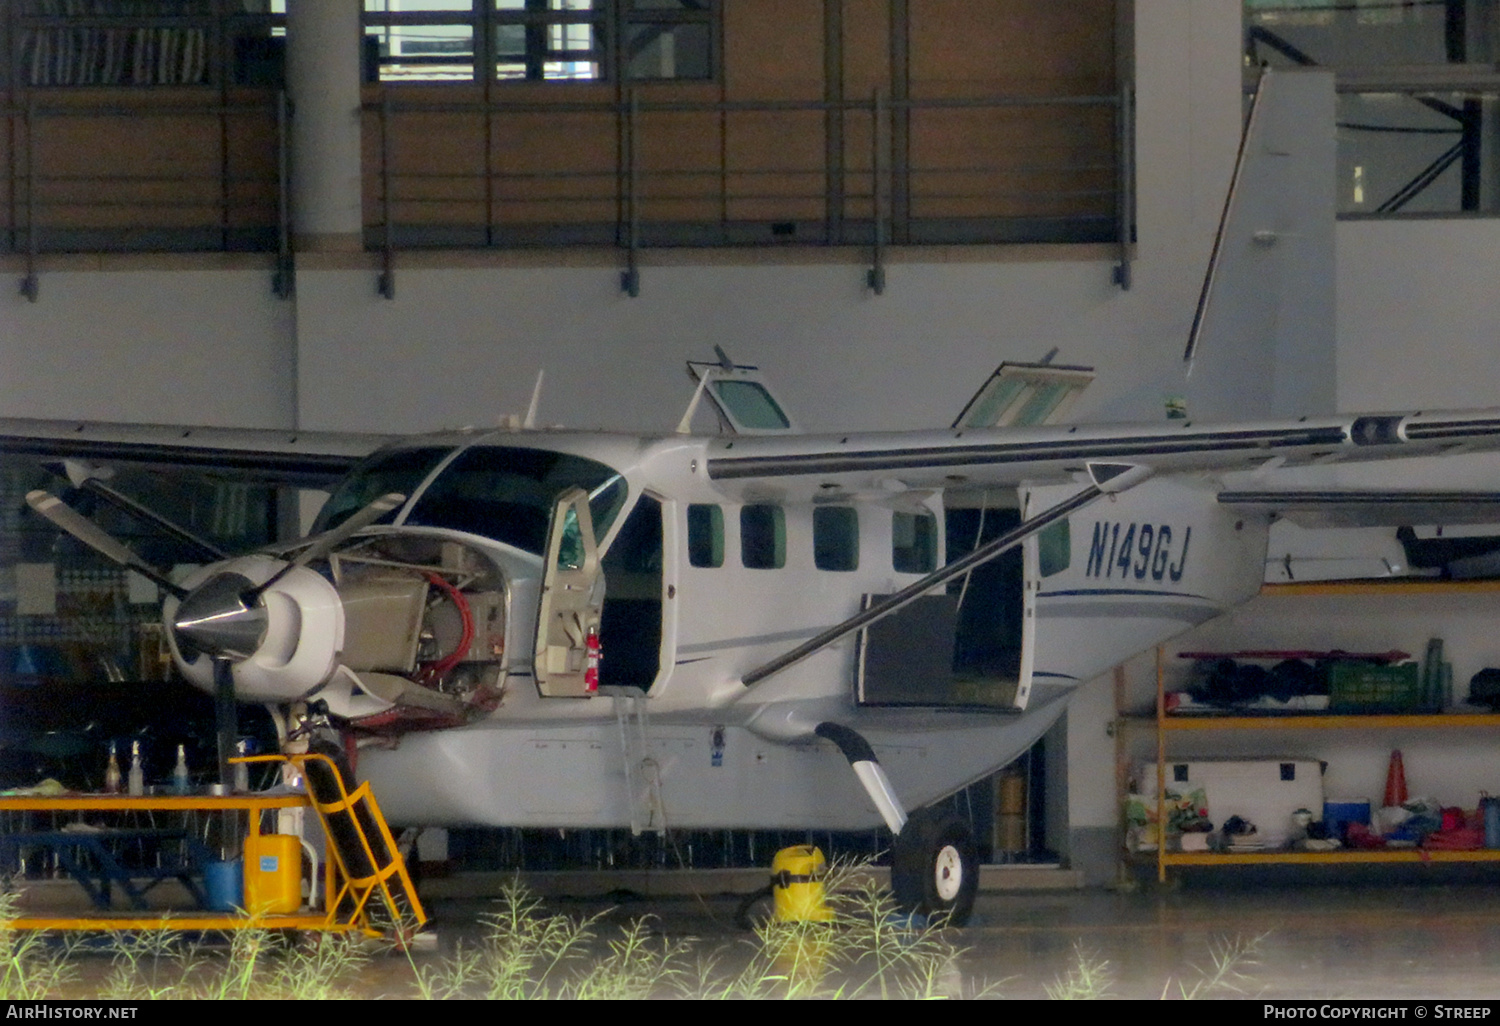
column 1107, row 478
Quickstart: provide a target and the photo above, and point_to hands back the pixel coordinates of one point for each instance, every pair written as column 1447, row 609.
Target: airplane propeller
column 226, row 615
column 225, row 618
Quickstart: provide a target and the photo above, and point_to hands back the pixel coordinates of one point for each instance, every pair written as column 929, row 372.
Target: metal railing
column 971, row 170
column 141, row 176
column 146, row 177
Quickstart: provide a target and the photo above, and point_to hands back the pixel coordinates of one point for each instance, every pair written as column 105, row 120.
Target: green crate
column 1369, row 688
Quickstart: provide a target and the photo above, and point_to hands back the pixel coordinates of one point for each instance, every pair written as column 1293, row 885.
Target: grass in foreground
column 867, row 950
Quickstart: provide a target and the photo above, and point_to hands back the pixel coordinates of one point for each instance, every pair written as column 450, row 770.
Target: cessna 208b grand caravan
column 749, row 629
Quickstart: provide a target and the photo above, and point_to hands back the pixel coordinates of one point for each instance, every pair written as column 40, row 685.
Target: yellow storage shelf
column 1164, row 725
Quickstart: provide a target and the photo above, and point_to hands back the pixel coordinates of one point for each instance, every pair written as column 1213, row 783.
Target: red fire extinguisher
column 591, row 671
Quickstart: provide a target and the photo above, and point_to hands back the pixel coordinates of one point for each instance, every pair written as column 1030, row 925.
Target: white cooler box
column 1265, row 791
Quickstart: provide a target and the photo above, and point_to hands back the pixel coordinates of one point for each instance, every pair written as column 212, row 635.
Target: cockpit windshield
column 507, row 494
column 401, row 470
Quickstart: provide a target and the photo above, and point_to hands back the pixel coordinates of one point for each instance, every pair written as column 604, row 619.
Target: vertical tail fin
column 1262, row 343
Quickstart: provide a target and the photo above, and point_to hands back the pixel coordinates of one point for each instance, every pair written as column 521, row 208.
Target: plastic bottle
column 112, row 772
column 242, row 770
column 180, row 771
column 137, row 773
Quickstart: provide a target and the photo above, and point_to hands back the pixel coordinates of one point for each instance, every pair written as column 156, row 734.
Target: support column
column 323, row 80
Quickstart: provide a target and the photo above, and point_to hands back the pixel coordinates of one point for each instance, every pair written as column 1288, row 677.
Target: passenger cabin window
column 1054, row 544
column 914, row 543
column 705, row 523
column 836, row 538
column 763, row 537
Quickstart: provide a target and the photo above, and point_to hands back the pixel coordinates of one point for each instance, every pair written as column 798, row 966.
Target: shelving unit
column 1165, row 725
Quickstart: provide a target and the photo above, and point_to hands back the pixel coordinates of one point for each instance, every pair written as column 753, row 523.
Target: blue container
column 1490, row 807
column 1339, row 813
column 224, row 885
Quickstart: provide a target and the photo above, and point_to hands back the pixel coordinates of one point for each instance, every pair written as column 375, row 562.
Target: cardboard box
column 1265, row 791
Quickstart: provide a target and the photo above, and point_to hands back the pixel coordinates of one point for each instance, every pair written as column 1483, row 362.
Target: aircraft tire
column 935, row 867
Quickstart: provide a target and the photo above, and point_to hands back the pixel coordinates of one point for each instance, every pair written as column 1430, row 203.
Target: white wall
column 155, row 346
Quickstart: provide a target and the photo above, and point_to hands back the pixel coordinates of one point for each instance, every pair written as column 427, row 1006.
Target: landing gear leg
column 935, row 867
column 935, row 864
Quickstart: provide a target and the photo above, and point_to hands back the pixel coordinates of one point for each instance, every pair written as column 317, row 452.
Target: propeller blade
column 70, row 520
column 326, row 542
column 150, row 516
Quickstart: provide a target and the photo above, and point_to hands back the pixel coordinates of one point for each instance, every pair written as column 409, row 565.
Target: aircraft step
column 642, row 772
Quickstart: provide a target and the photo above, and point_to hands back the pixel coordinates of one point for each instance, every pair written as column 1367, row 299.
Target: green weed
column 523, row 954
column 1090, row 978
column 1224, row 976
column 30, row 968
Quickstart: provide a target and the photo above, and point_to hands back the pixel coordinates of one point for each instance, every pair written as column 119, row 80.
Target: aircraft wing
column 997, row 457
column 1369, row 507
column 309, row 458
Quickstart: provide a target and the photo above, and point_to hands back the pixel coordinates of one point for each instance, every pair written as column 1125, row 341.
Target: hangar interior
column 389, row 216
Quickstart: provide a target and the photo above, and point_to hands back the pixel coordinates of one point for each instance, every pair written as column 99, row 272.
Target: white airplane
column 753, row 629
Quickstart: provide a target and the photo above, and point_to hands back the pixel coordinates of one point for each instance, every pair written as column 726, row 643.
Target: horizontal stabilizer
column 1369, row 508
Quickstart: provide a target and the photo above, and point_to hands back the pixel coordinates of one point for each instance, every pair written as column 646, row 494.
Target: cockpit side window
column 402, row 470
column 507, row 494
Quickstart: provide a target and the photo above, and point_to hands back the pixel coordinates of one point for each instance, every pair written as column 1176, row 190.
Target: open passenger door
column 566, row 663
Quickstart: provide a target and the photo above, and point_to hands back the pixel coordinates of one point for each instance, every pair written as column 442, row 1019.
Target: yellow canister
column 797, row 885
column 273, row 874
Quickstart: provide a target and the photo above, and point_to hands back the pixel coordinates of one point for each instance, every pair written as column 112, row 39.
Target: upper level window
column 1416, row 108
column 667, row 39
column 422, row 40
column 542, row 40
column 141, row 42
column 549, row 39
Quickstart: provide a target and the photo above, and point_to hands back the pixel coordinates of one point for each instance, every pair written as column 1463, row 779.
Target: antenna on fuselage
column 536, row 401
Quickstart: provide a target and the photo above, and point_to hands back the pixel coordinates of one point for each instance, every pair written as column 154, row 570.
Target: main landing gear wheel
column 935, row 867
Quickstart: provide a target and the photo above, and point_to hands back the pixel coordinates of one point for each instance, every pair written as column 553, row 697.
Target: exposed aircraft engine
column 424, row 626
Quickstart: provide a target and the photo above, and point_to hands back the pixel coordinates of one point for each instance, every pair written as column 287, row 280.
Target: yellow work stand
column 362, row 860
